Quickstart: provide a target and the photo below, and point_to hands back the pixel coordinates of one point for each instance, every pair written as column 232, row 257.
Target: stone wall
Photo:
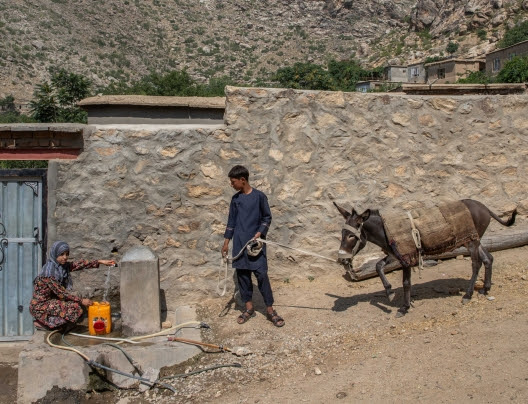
column 167, row 187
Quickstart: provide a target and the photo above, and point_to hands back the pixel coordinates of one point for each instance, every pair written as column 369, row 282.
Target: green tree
column 56, row 101
column 451, row 47
column 514, row 71
column 215, row 87
column 44, row 107
column 305, row 76
column 7, row 104
column 175, row 83
column 9, row 112
column 476, row 78
column 346, row 73
column 70, row 89
column 432, row 59
column 11, row 117
column 514, row 35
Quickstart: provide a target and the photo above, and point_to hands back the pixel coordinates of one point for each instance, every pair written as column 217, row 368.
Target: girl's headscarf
column 52, row 269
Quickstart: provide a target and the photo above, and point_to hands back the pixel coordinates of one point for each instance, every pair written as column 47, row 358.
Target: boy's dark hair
column 239, row 172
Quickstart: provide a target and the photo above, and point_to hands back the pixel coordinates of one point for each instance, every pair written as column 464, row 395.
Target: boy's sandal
column 245, row 316
column 277, row 320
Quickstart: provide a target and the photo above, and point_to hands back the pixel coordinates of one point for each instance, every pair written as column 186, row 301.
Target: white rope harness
column 226, row 259
column 357, row 234
column 417, row 241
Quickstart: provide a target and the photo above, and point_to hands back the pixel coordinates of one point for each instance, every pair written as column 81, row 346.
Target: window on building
column 441, row 73
column 512, row 55
column 496, row 65
column 415, row 72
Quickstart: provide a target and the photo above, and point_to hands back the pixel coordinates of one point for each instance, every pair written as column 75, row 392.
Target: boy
column 249, row 218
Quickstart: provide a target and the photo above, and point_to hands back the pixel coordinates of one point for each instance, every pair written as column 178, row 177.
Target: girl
column 53, row 304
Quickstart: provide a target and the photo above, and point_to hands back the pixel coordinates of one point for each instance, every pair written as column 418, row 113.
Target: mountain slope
column 109, row 40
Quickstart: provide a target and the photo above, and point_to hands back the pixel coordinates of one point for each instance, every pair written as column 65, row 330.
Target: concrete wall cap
column 141, row 253
column 154, row 101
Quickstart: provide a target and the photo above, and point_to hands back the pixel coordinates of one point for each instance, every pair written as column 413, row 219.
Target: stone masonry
column 166, row 187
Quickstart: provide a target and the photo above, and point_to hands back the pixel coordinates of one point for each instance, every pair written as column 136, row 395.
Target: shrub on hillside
column 451, row 47
column 514, row 35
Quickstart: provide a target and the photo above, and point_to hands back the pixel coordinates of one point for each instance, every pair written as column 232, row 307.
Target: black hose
column 129, row 358
column 142, row 379
column 132, row 362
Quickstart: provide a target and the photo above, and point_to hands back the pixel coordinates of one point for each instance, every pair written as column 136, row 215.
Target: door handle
column 36, row 234
column 3, row 242
column 2, row 254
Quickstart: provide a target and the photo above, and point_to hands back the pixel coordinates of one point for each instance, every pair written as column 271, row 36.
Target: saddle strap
column 417, row 241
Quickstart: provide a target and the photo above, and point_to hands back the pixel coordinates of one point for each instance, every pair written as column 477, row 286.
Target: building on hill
column 367, row 86
column 451, row 70
column 416, row 73
column 496, row 60
column 395, row 74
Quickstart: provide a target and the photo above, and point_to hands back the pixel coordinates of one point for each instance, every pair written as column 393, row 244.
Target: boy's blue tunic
column 248, row 214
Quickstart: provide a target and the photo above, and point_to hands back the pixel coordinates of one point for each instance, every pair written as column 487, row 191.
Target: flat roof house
column 496, row 60
column 451, row 70
column 395, row 74
column 416, row 73
column 369, row 85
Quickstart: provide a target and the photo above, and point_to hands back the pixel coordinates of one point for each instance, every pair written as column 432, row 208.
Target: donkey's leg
column 406, row 293
column 476, row 263
column 487, row 259
column 380, row 269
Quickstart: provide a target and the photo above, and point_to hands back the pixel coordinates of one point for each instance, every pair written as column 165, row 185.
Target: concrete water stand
column 41, row 367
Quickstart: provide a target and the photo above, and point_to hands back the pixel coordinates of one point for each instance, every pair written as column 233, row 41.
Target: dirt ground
column 342, row 343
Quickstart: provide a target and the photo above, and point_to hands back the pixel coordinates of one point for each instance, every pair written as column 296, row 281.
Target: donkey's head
column 352, row 236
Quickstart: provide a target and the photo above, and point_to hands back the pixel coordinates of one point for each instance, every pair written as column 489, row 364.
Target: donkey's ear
column 365, row 215
column 343, row 212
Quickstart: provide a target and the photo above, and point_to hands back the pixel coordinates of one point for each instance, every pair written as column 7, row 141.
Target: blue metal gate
column 22, row 198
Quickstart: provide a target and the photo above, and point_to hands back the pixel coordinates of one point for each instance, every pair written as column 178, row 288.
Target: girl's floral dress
column 52, row 304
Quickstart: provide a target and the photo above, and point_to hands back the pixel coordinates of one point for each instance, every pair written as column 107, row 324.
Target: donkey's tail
column 508, row 222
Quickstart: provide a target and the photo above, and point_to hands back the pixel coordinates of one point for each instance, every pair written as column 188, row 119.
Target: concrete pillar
column 140, row 292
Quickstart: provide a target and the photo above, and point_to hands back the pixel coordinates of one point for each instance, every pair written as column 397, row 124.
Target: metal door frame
column 42, row 175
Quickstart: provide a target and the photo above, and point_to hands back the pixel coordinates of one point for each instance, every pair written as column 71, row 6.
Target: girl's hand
column 108, row 263
column 86, row 302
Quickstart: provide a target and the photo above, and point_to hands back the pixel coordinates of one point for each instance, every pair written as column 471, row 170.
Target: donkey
column 369, row 226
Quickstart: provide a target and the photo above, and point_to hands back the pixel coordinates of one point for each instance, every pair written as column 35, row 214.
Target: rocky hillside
column 108, row 40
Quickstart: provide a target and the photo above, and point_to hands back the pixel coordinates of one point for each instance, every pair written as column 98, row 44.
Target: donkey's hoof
column 483, row 291
column 391, row 296
column 401, row 312
column 466, row 300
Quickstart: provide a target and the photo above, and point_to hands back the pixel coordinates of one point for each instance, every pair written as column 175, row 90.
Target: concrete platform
column 41, row 367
